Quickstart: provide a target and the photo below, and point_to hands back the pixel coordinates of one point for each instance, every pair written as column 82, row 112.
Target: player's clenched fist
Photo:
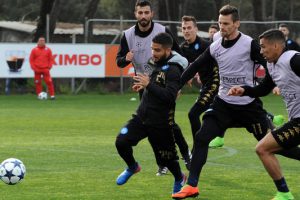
column 129, row 56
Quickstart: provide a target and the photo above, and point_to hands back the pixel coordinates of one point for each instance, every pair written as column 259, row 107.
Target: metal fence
column 252, row 28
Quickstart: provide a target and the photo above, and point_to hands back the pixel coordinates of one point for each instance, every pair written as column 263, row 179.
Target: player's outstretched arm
column 193, row 68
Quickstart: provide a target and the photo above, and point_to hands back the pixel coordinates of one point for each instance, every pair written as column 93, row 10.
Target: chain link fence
column 109, row 31
column 251, row 28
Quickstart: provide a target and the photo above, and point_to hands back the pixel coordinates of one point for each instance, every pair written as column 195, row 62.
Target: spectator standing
column 41, row 61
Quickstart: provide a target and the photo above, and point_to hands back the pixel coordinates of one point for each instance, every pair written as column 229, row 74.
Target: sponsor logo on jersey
column 165, row 67
column 124, row 130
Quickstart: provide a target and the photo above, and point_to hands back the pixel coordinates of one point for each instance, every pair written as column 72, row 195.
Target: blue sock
column 281, row 185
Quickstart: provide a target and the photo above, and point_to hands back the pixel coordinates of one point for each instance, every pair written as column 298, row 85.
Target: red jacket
column 41, row 58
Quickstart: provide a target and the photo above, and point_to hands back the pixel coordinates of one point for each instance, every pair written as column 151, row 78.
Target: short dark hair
column 230, row 10
column 164, row 39
column 143, row 3
column 187, row 18
column 215, row 26
column 273, row 35
column 283, row 26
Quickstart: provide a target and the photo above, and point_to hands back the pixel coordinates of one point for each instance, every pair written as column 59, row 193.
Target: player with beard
column 236, row 55
column 154, row 117
column 135, row 48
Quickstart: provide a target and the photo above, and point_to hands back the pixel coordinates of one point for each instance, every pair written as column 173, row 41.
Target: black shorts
column 160, row 138
column 251, row 116
column 288, row 135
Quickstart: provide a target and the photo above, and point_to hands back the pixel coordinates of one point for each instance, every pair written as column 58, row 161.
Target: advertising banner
column 69, row 60
column 111, row 68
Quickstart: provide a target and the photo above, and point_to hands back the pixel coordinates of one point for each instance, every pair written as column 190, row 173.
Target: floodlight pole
column 73, row 79
column 121, row 69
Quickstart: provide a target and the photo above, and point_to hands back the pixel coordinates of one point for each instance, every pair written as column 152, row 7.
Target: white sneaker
column 162, row 171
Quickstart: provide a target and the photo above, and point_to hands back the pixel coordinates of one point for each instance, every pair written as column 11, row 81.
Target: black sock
column 133, row 167
column 174, row 168
column 192, row 181
column 281, row 185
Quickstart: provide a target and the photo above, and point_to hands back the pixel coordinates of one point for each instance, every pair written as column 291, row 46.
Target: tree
column 185, row 6
column 172, row 10
column 291, row 17
column 274, row 5
column 53, row 17
column 51, row 8
column 90, row 14
column 155, row 4
column 218, row 5
column 258, row 15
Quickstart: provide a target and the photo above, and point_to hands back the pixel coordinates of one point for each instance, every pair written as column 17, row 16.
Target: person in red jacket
column 41, row 61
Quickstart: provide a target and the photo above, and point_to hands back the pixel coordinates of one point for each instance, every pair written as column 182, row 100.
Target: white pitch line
column 230, row 152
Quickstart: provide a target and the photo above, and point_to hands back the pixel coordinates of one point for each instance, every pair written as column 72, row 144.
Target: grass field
column 68, row 148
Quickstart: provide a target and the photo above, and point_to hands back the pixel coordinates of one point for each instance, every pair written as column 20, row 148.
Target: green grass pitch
column 67, row 146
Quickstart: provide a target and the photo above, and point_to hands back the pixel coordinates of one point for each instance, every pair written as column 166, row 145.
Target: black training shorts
column 288, row 135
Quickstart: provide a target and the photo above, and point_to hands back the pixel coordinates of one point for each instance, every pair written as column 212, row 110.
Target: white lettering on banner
column 70, row 60
column 81, row 59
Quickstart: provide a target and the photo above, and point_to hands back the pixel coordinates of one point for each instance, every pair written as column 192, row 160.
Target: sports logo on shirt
column 124, row 130
column 138, row 44
column 289, row 95
column 197, row 46
column 165, row 67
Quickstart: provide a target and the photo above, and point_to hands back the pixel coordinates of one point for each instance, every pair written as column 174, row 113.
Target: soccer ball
column 12, row 171
column 43, row 96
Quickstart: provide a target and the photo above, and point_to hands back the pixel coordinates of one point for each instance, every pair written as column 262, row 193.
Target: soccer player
column 191, row 48
column 211, row 31
column 235, row 54
column 41, row 61
column 135, row 48
column 155, row 114
column 290, row 44
column 283, row 72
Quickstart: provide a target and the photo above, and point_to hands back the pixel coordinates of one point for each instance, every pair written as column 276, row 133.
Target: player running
column 235, row 54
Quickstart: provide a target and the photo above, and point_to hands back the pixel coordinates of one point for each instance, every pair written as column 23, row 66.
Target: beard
column 223, row 34
column 144, row 22
column 160, row 59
